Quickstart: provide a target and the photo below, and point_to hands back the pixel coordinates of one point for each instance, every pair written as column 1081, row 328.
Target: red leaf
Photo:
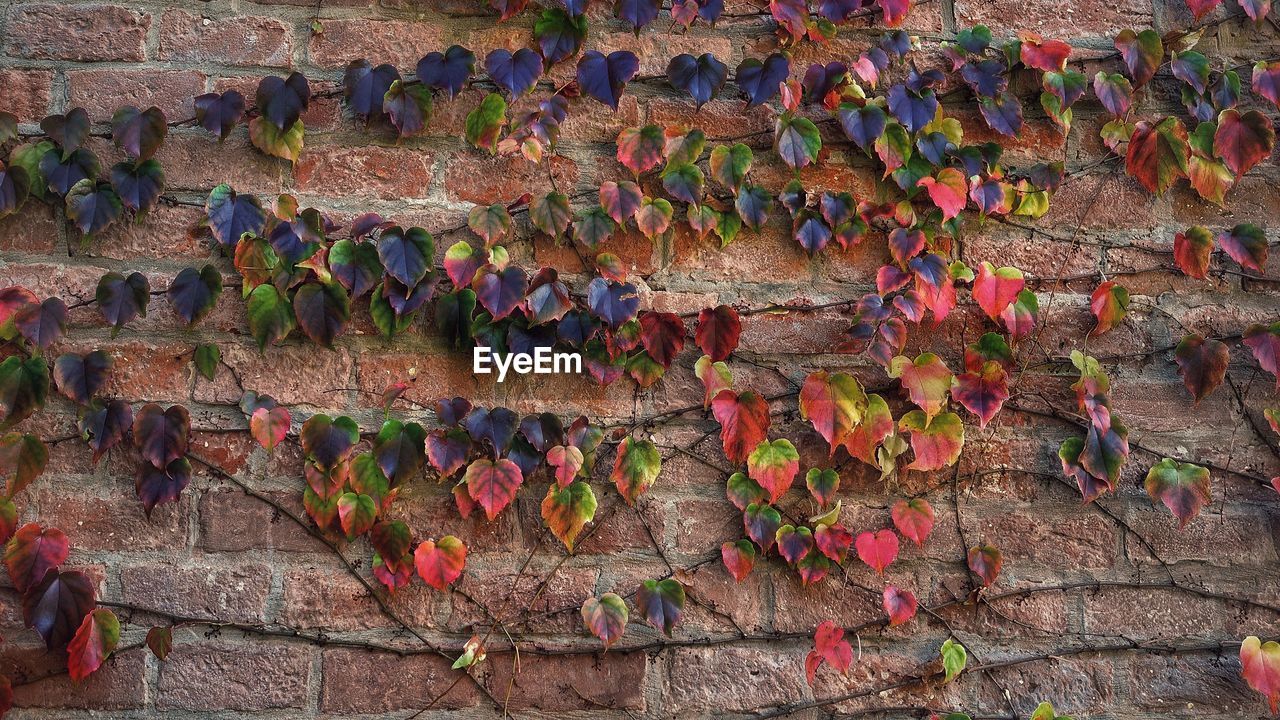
column 1109, row 303
column 1243, row 139
column 1266, row 83
column 985, row 562
column 270, row 426
column 662, row 335
column 1157, row 154
column 493, row 484
column 567, row 460
column 1265, row 344
column 32, row 552
column 440, row 563
column 1191, row 251
column 948, row 191
column 982, row 393
column 834, row 403
column 1246, row 244
column 739, row 558
column 833, row 541
column 715, row 376
column 1200, row 8
column 160, row 640
column 899, row 605
column 605, row 617
column 1046, row 55
column 995, row 289
column 877, row 549
column 1202, row 364
column 914, row 519
column 718, row 331
column 829, row 645
column 98, row 635
column 1260, row 667
column 744, row 421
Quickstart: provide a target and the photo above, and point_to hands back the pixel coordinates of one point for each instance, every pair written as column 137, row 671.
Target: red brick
column 328, row 373
column 364, row 172
column 1139, row 613
column 1058, row 20
column 102, row 92
column 250, row 676
column 512, row 602
column 558, row 683
column 120, row 684
column 231, row 521
column 340, row 602
column 142, row 371
column 236, row 593
column 736, row 679
column 483, row 180
column 399, row 42
column 1078, row 541
column 34, row 230
column 196, row 161
column 52, row 31
column 419, row 678
column 112, row 517
column 1190, row 684
column 168, row 232
column 244, row 40
column 433, row 374
column 27, row 92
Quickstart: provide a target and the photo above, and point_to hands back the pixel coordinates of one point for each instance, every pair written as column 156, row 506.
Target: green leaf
column 270, row 314
column 605, row 617
column 954, row 658
column 24, row 388
column 636, row 467
column 567, row 510
column 207, row 358
column 268, row 138
column 730, row 165
column 484, row 123
column 797, row 141
column 1182, row 487
column 662, row 602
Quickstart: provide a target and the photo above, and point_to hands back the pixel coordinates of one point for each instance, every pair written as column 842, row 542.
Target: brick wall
column 222, row 554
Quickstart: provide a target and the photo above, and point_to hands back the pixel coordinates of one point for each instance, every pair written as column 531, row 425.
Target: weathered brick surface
column 333, row 651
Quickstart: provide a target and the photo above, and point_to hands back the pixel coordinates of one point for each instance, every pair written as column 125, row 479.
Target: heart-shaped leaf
column 364, row 86
column 1142, row 53
column 231, row 215
column 1243, row 139
column 157, row 486
column 605, row 617
column 193, row 294
column 982, row 392
column 407, row 255
column 105, row 424
column 219, row 113
column 24, row 388
column 328, row 441
column 701, row 77
column 282, row 100
column 985, row 561
column 567, row 510
column 1202, row 364
column 161, row 435
column 797, row 141
column 604, row 77
column 120, row 299
column 440, row 562
column 550, row 213
column 1260, row 667
column 899, row 605
column 493, row 484
column 1264, row 341
column 93, row 206
column 1192, row 249
column 80, row 377
column 138, row 132
column 449, row 71
column 57, row 605
column 1109, row 303
column 323, row 311
column 1157, row 154
column 1182, row 487
column 484, row 124
column 762, row 522
column 69, row 131
column 759, row 79
column 877, row 549
column 739, row 558
column 914, row 519
column 937, row 442
column 774, row 465
column 635, row 468
column 744, row 421
column 98, row 635
column 1246, row 243
column 559, row 34
column 32, row 552
column 515, row 73
column 269, row 426
column 718, row 331
column 834, row 403
column 661, row 602
column 407, row 107
column 271, row 315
